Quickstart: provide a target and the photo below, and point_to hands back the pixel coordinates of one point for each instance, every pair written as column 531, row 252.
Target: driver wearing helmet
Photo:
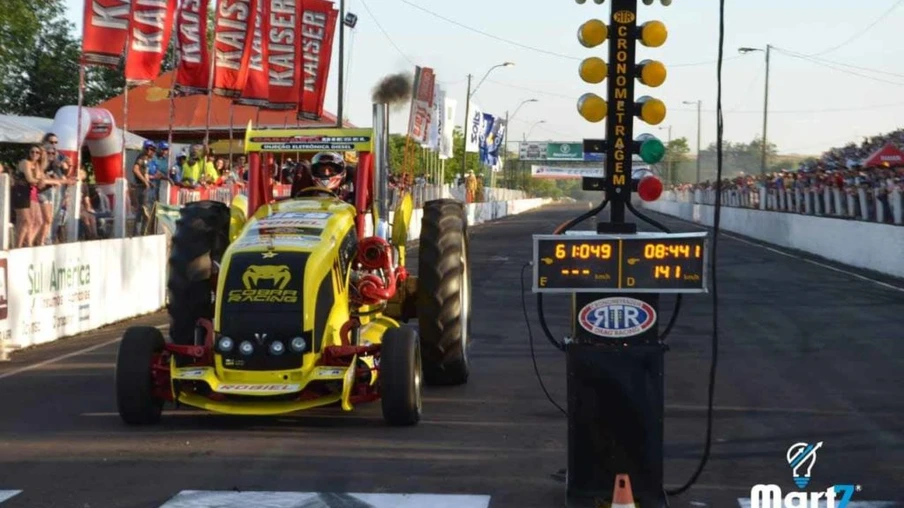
column 329, row 171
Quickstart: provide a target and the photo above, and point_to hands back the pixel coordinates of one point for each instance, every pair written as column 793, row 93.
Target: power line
column 842, row 64
column 486, row 34
column 862, row 32
column 386, row 34
column 846, row 71
column 526, row 46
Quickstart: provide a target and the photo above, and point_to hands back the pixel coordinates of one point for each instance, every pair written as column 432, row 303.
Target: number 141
column 666, row 272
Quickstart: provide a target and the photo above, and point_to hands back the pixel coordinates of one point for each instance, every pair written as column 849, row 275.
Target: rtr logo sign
column 617, row 317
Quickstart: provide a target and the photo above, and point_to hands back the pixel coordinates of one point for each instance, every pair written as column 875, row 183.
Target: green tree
column 38, row 58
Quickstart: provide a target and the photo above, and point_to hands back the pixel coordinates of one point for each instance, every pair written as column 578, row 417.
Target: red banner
column 284, row 47
column 257, row 86
column 318, row 24
column 421, row 103
column 150, row 27
column 106, row 24
column 193, row 74
column 233, row 38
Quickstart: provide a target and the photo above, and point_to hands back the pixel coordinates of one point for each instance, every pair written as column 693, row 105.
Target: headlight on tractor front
column 298, row 344
column 225, row 344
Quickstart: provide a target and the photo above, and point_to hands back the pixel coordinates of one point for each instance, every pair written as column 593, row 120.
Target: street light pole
column 765, row 139
column 464, row 146
column 765, row 111
column 699, row 104
column 506, row 139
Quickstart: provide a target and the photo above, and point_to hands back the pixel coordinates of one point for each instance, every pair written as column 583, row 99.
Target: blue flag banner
column 492, row 140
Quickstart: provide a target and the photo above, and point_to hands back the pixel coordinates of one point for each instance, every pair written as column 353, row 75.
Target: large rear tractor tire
column 201, row 238
column 135, row 397
column 444, row 292
column 401, row 375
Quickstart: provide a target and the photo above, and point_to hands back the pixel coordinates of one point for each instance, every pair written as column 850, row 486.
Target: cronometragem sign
column 619, row 128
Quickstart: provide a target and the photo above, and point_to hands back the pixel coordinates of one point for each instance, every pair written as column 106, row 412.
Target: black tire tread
column 443, row 227
column 399, row 355
column 134, row 387
column 201, row 237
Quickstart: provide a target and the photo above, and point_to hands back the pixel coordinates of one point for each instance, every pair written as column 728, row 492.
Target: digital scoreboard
column 638, row 263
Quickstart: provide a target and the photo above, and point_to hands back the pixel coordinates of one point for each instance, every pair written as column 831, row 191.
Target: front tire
column 401, row 374
column 200, row 239
column 135, row 397
column 444, row 292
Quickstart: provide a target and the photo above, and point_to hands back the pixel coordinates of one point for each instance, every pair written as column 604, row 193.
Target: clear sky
column 813, row 106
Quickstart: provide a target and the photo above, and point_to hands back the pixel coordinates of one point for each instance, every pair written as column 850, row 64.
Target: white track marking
column 794, row 256
column 817, row 263
column 231, row 499
column 51, row 361
column 8, row 494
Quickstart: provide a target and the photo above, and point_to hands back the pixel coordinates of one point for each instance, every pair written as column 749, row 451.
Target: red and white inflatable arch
column 99, row 134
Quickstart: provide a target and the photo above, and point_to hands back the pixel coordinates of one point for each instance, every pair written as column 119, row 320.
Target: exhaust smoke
column 394, row 90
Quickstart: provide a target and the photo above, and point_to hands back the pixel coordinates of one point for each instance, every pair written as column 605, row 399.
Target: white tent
column 30, row 129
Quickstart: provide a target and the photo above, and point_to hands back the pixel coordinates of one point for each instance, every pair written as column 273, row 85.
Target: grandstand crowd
column 840, row 168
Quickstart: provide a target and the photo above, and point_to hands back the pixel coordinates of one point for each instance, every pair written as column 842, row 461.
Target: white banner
column 62, row 290
column 564, row 173
column 476, row 128
column 436, row 115
column 447, row 140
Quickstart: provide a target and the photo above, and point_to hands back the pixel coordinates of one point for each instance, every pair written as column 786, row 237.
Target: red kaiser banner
column 257, row 86
column 318, row 24
column 106, row 24
column 233, row 38
column 283, row 47
column 193, row 74
column 150, row 28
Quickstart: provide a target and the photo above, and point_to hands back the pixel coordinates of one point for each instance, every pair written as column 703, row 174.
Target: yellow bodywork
column 323, row 250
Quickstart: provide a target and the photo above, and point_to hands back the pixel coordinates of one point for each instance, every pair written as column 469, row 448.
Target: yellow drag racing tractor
column 280, row 305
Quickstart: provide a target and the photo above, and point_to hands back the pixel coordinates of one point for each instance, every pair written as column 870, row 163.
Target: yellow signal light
column 593, row 33
column 592, row 107
column 653, row 34
column 652, row 73
column 651, row 110
column 593, row 70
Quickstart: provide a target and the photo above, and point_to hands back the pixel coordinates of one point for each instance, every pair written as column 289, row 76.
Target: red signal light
column 649, row 188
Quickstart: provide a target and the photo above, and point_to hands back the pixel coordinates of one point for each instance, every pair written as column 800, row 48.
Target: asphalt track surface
column 807, row 354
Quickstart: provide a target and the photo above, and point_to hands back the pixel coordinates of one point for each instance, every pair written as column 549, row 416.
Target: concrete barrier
column 61, row 290
column 860, row 244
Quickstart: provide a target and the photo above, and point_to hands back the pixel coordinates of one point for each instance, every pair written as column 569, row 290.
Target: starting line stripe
column 231, row 499
column 8, row 494
column 744, row 502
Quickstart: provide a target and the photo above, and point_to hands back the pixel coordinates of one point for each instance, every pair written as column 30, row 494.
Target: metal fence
column 873, row 204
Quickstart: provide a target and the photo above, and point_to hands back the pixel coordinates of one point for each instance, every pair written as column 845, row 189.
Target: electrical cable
column 386, row 34
column 714, row 255
column 860, row 33
column 530, row 338
column 528, row 47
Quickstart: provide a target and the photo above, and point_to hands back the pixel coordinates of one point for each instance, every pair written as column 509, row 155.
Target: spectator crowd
column 836, row 183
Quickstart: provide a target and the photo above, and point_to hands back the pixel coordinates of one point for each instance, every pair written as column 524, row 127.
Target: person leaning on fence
column 141, row 170
column 25, row 196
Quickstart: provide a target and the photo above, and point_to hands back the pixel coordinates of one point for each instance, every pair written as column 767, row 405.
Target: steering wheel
column 310, row 191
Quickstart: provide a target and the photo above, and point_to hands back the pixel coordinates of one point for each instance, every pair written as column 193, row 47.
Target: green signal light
column 651, row 149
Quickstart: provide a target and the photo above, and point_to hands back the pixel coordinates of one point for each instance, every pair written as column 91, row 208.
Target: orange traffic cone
column 623, row 497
